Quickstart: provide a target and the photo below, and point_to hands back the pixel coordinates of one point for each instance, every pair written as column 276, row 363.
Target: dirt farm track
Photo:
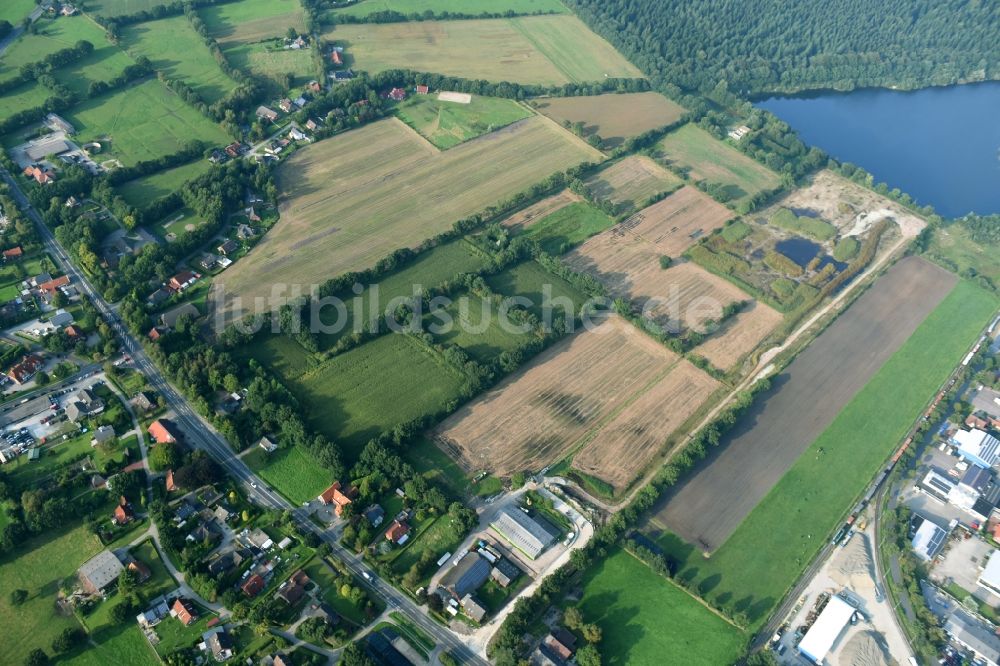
column 806, row 397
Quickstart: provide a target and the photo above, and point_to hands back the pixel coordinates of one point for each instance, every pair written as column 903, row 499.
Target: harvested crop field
column 525, row 217
column 707, row 159
column 739, row 336
column 684, row 296
column 613, row 117
column 711, row 503
column 544, row 50
column 619, row 452
column 348, row 201
column 676, row 223
column 632, row 181
column 535, row 417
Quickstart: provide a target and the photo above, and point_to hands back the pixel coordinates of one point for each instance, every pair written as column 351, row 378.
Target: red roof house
column 72, row 331
column 182, row 280
column 397, row 531
column 423, row 90
column 25, row 370
column 41, row 177
column 336, row 59
column 333, row 495
column 13, row 253
column 169, row 483
column 253, row 585
column 123, row 512
column 184, row 611
column 163, row 431
column 51, row 286
column 397, row 94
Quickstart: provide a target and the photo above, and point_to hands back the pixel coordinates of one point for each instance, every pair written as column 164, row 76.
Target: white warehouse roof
column 826, row 630
column 990, row 578
column 978, row 444
column 523, row 532
column 928, row 540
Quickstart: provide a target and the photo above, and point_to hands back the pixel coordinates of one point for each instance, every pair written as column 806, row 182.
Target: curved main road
column 202, row 435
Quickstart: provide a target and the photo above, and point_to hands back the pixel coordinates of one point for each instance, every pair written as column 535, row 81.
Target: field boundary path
column 204, row 436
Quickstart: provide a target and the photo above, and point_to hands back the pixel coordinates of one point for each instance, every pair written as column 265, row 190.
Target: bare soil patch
column 807, row 395
column 677, row 222
column 740, row 335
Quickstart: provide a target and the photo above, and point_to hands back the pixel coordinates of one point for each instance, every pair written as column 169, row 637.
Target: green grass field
column 436, row 466
column 807, row 226
column 372, row 388
column 447, row 124
column 648, row 620
column 953, row 247
column 559, row 231
column 23, row 97
column 116, row 644
column 14, row 11
column 267, row 60
column 547, row 50
column 141, row 122
column 529, row 280
column 322, row 575
column 40, row 567
column 294, row 473
column 366, row 7
column 177, row 51
column 253, row 20
column 121, row 7
column 281, row 354
column 763, row 558
column 705, row 158
column 430, row 269
column 474, row 326
column 22, row 473
column 439, row 538
column 143, row 191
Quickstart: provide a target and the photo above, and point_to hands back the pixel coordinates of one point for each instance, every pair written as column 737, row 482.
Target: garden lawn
column 370, row 389
column 143, row 191
column 468, row 7
column 705, row 158
column 40, row 567
column 646, row 619
column 179, row 52
column 754, row 568
column 474, row 325
column 447, row 124
column 22, row 473
column 141, row 122
column 568, row 226
column 535, row 283
column 321, row 574
column 294, row 473
column 438, row 539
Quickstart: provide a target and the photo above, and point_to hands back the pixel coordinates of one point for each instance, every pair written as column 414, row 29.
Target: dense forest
column 773, row 46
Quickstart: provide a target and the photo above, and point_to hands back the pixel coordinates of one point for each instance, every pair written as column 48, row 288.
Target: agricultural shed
column 466, row 576
column 523, row 532
column 826, row 630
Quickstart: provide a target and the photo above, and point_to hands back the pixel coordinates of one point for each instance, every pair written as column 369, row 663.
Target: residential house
column 397, row 94
column 398, row 532
column 170, row 317
column 61, row 318
column 184, row 511
column 141, row 571
column 157, row 297
column 245, row 231
column 13, row 254
column 234, row 149
column 312, row 125
column 738, row 133
column 295, row 588
column 169, row 481
column 315, row 86
column 52, row 286
column 209, row 262
column 219, row 643
column 336, row 58
column 153, row 616
column 145, row 400
column 156, row 333
column 182, row 281
column 73, row 332
column 228, row 247
column 285, row 105
column 297, row 135
column 41, row 176
column 264, row 113
column 24, row 370
column 103, row 434
column 163, row 431
column 375, row 515
column 422, row 90
column 300, row 101
column 206, row 532
column 268, row 445
column 100, row 572
column 561, row 642
column 473, row 608
column 123, row 513
column 67, row 10
column 225, row 562
column 259, row 539
column 184, row 611
column 84, row 404
column 340, row 77
column 253, row 585
column 217, row 156
column 333, row 495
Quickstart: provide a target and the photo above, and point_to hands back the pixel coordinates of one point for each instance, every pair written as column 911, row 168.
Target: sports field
column 333, row 191
column 648, row 620
column 447, row 124
column 632, row 181
column 40, row 567
column 372, row 388
column 366, row 7
column 252, row 20
column 705, row 158
column 571, row 225
column 535, row 417
column 177, row 51
column 141, row 122
column 613, row 117
column 293, row 472
column 271, row 61
column 763, row 557
column 143, row 191
column 547, row 50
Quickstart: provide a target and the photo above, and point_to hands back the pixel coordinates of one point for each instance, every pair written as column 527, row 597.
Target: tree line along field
column 179, row 52
column 611, row 393
column 468, row 7
column 647, row 619
column 706, row 159
column 333, row 190
column 545, row 50
column 447, row 124
column 632, row 181
column 613, row 117
column 252, row 20
column 765, row 555
column 141, row 122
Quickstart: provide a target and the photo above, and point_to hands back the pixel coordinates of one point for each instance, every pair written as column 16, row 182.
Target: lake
column 939, row 145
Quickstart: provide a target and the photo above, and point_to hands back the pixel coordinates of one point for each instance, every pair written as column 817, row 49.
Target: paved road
column 202, row 435
column 16, row 32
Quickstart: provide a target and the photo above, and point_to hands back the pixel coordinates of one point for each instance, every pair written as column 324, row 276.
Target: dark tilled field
column 806, row 397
